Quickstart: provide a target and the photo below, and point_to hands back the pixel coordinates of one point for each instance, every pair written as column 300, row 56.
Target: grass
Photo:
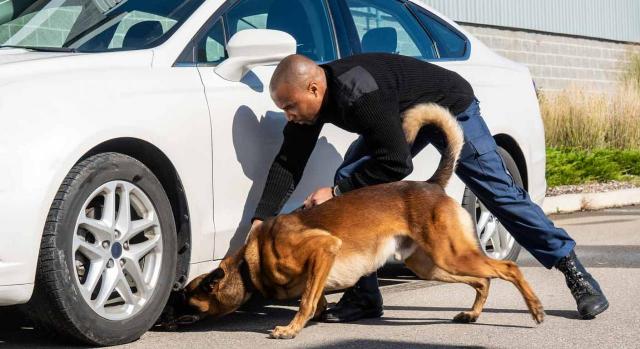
column 578, row 119
column 594, row 137
column 632, row 70
column 578, row 166
column 574, row 118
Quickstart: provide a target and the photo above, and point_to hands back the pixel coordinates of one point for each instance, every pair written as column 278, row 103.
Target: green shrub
column 578, row 166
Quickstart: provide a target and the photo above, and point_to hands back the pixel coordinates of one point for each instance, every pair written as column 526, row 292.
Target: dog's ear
column 217, row 274
column 210, row 280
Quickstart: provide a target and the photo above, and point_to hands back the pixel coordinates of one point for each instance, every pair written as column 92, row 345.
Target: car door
column 389, row 26
column 246, row 124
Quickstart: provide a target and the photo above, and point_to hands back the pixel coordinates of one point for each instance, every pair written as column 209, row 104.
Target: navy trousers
column 482, row 169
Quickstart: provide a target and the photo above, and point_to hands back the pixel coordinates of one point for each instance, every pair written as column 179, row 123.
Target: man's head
column 298, row 87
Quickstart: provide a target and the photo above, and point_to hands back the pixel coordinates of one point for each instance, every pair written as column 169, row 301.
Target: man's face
column 300, row 105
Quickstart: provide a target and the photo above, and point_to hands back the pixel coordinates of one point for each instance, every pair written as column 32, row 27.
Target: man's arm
column 379, row 118
column 287, row 168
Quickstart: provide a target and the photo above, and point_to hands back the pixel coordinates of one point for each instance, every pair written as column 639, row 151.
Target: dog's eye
column 206, row 287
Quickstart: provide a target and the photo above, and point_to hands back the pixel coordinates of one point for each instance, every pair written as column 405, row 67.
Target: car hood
column 12, row 55
column 20, row 64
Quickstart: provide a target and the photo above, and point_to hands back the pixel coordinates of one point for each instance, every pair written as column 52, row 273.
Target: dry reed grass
column 574, row 118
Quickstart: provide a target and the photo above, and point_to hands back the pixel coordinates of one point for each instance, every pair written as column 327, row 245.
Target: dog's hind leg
column 423, row 266
column 451, row 245
column 322, row 250
column 477, row 265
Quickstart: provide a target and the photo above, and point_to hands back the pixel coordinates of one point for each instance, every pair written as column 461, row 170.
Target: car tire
column 79, row 243
column 505, row 247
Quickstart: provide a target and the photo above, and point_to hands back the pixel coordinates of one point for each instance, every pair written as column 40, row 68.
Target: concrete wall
column 558, row 62
column 616, row 20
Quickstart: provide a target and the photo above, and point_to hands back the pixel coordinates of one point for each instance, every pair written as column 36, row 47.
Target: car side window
column 306, row 20
column 212, row 48
column 6, row 11
column 388, row 26
column 449, row 43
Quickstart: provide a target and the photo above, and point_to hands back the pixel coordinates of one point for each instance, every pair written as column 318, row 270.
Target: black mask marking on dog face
column 209, row 281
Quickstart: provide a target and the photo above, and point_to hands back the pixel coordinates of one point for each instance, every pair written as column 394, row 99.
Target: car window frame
column 222, row 21
column 353, row 39
column 346, row 32
column 154, row 44
column 189, row 55
column 415, row 8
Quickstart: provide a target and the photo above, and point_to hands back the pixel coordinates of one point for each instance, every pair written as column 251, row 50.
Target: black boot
column 359, row 302
column 584, row 288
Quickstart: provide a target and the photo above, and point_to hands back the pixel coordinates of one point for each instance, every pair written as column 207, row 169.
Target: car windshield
column 91, row 25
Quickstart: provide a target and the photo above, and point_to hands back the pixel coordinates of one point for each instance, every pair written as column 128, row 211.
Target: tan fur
column 347, row 268
column 432, row 114
column 332, row 245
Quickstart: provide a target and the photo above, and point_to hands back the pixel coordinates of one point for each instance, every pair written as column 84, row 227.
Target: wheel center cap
column 116, row 250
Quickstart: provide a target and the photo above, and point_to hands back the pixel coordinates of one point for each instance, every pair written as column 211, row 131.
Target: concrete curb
column 591, row 201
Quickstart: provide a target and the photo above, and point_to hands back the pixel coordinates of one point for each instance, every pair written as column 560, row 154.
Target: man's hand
column 319, row 196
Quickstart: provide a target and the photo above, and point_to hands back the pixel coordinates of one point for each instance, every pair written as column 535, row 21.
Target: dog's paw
column 466, row 317
column 283, row 332
column 537, row 313
column 187, row 319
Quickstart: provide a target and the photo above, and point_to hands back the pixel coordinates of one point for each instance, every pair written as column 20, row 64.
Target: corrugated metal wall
column 606, row 19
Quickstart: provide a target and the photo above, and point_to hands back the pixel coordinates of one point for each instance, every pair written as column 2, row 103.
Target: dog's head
column 220, row 292
column 217, row 293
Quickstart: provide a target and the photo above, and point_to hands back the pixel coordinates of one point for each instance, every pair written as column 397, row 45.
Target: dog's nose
column 178, row 299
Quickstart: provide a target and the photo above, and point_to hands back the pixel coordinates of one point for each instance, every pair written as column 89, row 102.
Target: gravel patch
column 591, row 188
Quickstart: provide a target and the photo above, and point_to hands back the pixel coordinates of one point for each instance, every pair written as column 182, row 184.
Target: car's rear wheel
column 494, row 239
column 108, row 253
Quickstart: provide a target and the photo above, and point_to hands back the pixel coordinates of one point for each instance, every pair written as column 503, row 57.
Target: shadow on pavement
column 567, row 314
column 376, row 344
column 260, row 316
column 17, row 331
column 594, row 256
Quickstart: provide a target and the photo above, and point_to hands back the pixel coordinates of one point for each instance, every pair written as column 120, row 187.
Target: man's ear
column 313, row 88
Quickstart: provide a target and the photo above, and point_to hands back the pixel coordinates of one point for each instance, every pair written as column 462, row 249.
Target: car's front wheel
column 108, row 253
column 494, row 239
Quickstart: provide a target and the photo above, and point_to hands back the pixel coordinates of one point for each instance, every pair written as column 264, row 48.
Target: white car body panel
column 162, row 106
column 220, row 137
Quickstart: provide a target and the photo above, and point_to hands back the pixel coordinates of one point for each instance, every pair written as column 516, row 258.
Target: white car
column 134, row 146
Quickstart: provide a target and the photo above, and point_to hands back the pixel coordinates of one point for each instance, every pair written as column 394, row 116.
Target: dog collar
column 245, row 275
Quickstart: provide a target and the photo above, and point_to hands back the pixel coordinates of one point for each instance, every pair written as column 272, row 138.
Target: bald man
column 367, row 94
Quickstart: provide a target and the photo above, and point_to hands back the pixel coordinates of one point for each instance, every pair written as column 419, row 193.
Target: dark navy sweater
column 366, row 94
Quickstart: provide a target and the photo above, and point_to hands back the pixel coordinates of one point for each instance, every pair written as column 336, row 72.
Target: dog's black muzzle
column 177, row 312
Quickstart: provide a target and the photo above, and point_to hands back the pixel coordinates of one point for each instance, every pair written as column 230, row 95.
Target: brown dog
column 332, row 245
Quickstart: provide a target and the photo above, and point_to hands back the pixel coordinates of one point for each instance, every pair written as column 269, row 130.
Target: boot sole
column 596, row 312
column 366, row 315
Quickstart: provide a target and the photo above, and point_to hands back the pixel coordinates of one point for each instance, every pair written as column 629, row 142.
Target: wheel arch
column 162, row 167
column 511, row 146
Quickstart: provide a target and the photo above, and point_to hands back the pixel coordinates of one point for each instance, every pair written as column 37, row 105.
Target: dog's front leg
column 323, row 251
column 320, row 307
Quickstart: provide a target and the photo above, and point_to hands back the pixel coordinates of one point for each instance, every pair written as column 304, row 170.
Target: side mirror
column 254, row 47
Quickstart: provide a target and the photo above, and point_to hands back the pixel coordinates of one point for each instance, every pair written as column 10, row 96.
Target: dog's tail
column 435, row 115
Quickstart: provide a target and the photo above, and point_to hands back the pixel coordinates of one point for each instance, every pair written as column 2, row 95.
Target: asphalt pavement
column 418, row 313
